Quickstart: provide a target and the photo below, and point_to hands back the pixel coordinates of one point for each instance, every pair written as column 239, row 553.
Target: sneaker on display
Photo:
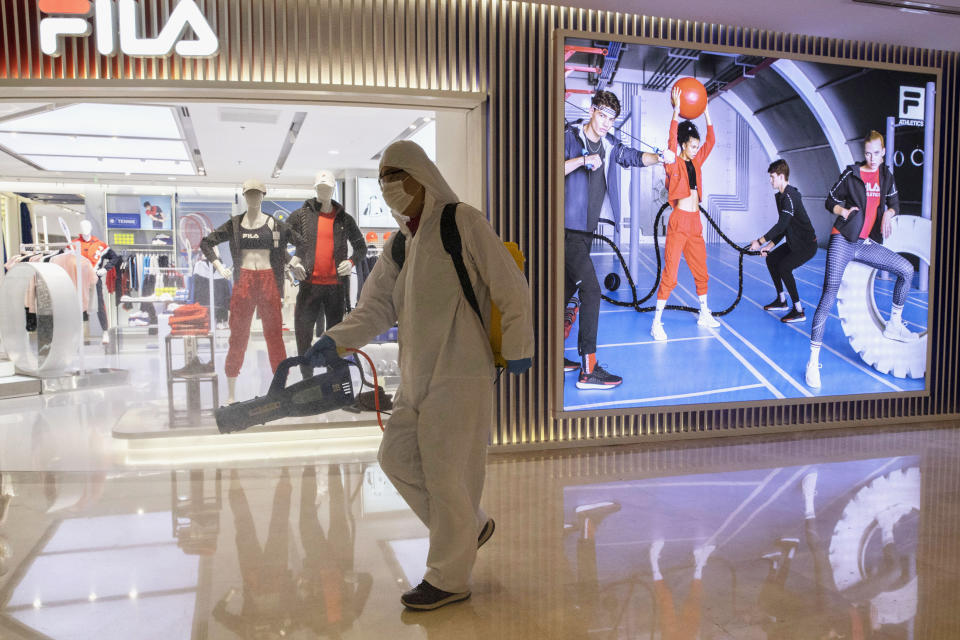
column 656, row 330
column 707, row 320
column 794, row 316
column 776, row 305
column 813, row 374
column 599, row 378
column 896, row 330
column 193, row 369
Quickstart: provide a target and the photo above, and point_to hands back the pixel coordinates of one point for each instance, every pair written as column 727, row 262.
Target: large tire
column 858, row 311
column 897, row 494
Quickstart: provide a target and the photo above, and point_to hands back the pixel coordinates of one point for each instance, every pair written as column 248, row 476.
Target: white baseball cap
column 253, row 183
column 325, row 177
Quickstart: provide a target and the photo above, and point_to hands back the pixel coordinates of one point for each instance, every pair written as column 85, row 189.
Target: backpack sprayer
column 320, row 394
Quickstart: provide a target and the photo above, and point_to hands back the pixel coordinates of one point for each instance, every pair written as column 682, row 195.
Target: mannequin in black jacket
column 321, row 262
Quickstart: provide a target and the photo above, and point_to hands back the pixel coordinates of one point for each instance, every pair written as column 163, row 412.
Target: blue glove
column 516, row 367
column 322, row 353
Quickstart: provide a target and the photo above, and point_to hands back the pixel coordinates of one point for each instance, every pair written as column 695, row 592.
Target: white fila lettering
column 120, row 21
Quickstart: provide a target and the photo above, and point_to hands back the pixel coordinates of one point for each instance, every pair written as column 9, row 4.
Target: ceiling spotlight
column 36, row 603
column 334, row 152
column 140, row 511
column 133, row 594
column 92, row 597
column 171, row 177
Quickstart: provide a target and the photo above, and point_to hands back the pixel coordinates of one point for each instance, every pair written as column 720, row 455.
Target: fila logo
column 873, row 189
column 912, row 103
column 120, row 20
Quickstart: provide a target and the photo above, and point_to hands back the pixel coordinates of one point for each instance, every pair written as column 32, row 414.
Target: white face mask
column 402, row 221
column 396, row 197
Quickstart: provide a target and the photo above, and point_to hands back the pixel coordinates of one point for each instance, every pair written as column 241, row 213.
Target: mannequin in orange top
column 684, row 231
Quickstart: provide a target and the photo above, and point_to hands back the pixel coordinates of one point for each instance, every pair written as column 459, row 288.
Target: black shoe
column 570, row 365
column 599, row 378
column 794, row 316
column 776, row 305
column 426, row 597
column 193, row 369
column 486, row 533
column 596, row 511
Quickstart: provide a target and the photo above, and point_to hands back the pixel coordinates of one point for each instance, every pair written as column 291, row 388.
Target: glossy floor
column 814, row 536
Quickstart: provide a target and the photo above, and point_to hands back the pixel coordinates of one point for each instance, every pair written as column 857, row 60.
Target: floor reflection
column 815, row 551
column 830, row 536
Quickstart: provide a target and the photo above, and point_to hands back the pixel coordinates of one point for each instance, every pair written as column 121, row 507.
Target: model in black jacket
column 801, row 245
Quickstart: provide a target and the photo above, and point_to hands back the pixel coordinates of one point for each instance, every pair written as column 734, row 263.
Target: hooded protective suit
column 434, row 445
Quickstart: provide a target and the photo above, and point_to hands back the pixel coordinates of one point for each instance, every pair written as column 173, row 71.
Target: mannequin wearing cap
column 102, row 258
column 258, row 246
column 321, row 263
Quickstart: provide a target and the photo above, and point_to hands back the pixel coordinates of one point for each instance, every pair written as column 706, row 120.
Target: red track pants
column 684, row 237
column 254, row 290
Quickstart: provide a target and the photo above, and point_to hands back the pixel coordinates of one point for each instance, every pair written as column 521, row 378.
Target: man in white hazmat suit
column 434, row 445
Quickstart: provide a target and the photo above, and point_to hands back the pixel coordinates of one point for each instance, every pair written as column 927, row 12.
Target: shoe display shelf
column 192, row 375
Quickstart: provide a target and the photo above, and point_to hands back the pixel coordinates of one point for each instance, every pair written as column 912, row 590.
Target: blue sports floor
column 752, row 356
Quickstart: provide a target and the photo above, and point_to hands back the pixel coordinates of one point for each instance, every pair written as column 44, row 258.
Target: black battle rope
column 635, row 304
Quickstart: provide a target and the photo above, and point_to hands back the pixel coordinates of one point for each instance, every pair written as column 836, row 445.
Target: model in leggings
column 865, row 200
column 684, row 230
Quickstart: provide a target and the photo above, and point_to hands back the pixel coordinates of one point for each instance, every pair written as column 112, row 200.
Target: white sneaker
column 656, row 330
column 896, row 330
column 813, row 374
column 707, row 320
column 701, row 554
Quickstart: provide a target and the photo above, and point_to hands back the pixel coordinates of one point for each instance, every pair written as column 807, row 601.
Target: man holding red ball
column 589, row 190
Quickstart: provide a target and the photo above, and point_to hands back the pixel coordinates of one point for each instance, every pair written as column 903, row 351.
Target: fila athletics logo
column 120, row 20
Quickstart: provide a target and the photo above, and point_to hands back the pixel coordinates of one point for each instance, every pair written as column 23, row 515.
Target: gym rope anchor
column 636, row 302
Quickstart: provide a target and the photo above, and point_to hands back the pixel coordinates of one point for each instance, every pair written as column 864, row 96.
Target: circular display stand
column 64, row 312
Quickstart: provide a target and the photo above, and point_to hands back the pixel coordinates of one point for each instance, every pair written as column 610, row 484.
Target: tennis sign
column 117, row 27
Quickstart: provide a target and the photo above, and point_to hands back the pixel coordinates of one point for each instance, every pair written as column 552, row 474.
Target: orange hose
column 376, row 385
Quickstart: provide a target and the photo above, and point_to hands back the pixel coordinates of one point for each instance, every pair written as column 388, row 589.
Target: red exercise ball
column 693, row 97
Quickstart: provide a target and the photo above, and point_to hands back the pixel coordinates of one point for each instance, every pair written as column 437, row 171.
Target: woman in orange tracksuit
column 684, row 231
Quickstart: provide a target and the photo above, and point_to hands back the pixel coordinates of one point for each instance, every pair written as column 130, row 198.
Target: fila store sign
column 117, row 25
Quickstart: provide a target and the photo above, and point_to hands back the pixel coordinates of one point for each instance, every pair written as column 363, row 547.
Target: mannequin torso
column 255, row 259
